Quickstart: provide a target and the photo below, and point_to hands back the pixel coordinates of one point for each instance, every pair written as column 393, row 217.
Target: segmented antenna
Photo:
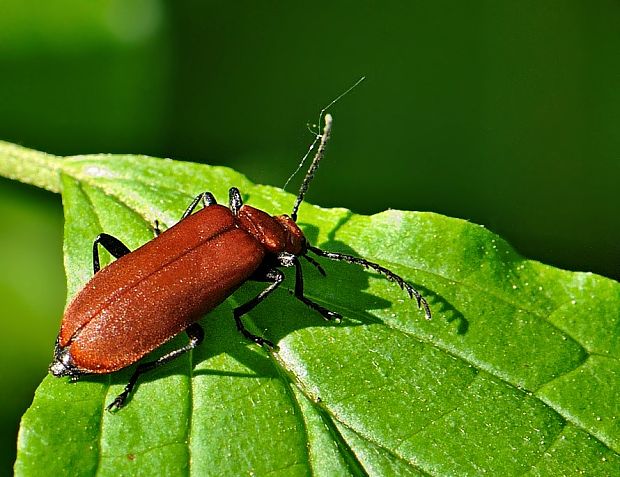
column 320, row 152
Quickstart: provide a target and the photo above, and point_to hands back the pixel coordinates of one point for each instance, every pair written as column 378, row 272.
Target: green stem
column 29, row 166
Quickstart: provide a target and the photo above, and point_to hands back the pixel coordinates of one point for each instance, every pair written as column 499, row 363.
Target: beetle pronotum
column 146, row 297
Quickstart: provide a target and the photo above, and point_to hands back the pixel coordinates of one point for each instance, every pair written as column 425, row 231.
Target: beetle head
column 63, row 364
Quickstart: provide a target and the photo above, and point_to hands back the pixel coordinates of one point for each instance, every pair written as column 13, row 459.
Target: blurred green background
column 503, row 113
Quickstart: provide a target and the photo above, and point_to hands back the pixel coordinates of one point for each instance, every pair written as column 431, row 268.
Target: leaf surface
column 517, row 372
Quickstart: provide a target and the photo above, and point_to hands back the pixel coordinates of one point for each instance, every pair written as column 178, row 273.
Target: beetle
column 146, row 297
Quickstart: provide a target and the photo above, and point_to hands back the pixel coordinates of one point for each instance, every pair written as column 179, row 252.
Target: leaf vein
column 372, row 441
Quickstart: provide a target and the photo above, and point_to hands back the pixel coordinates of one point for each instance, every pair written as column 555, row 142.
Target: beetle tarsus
column 196, row 335
column 261, row 341
column 328, row 315
column 250, row 336
column 118, row 402
column 272, row 275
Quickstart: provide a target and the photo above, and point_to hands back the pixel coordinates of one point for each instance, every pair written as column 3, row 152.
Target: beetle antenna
column 320, row 152
column 317, row 135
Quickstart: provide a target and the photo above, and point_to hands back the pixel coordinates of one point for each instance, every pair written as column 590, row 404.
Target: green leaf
column 517, row 372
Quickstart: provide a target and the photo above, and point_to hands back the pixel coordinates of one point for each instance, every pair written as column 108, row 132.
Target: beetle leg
column 156, row 229
column 207, row 200
column 316, row 264
column 234, row 200
column 195, row 333
column 285, row 259
column 422, row 303
column 276, row 277
column 299, row 294
column 113, row 245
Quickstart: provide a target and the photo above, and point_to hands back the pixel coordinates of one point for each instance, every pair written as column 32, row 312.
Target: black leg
column 276, row 277
column 379, row 269
column 113, row 245
column 207, row 200
column 299, row 294
column 234, row 200
column 315, row 264
column 156, row 229
column 196, row 335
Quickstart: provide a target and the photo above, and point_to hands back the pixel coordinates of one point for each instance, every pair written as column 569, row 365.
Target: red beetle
column 148, row 296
